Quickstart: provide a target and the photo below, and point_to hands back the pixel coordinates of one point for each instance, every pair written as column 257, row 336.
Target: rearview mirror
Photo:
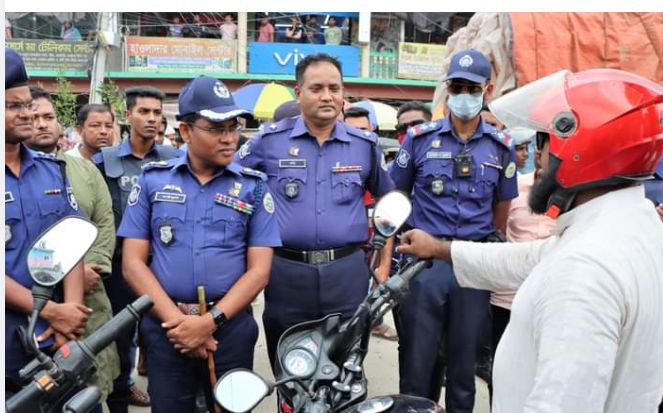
column 240, row 390
column 59, row 249
column 391, row 212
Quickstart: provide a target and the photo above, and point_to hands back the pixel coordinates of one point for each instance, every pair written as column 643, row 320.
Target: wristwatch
column 218, row 316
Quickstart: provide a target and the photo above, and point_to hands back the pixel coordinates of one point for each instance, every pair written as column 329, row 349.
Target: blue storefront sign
column 281, row 58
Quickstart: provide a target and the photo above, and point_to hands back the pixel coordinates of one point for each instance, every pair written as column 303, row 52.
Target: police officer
column 318, row 169
column 37, row 194
column 461, row 174
column 121, row 166
column 208, row 222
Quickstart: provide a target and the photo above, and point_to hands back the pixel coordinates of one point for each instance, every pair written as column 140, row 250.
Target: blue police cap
column 209, row 98
column 469, row 64
column 15, row 73
column 288, row 109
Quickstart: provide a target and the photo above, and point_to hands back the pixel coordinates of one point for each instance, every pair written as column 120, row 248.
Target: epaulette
column 49, row 156
column 155, row 165
column 254, row 173
column 501, row 137
column 280, row 126
column 363, row 134
column 424, row 128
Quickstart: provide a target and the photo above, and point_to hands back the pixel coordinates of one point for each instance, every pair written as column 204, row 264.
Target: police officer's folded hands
column 192, row 334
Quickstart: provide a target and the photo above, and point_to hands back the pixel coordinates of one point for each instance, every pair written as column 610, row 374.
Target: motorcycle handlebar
column 26, row 400
column 124, row 320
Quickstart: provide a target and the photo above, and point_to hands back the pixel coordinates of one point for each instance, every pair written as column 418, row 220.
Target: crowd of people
column 562, row 267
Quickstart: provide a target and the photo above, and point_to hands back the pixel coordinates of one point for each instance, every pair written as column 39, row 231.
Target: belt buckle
column 319, row 257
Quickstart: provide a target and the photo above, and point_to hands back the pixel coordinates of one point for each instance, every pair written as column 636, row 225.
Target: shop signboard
column 282, row 58
column 180, row 55
column 420, row 61
column 46, row 54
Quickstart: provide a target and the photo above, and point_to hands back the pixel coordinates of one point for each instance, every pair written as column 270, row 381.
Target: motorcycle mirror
column 391, row 212
column 59, row 249
column 240, row 390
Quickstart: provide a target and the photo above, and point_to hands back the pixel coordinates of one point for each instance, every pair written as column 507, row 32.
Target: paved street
column 381, row 367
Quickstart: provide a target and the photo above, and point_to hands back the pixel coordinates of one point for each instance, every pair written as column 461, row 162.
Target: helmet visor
column 537, row 105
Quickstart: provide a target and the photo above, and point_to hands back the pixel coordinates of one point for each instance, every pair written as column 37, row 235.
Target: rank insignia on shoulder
column 234, row 203
column 155, row 164
column 268, row 203
column 253, row 172
column 273, row 126
column 133, row 196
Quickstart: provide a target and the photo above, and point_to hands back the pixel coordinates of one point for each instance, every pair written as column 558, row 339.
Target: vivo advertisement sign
column 281, row 58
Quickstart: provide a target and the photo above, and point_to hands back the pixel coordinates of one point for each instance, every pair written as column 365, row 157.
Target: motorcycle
column 319, row 364
column 50, row 381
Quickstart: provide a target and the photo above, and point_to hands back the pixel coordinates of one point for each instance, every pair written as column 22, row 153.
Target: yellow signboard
column 420, row 61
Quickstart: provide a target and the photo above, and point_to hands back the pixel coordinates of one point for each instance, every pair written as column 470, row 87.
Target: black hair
column 189, row 118
column 38, row 93
column 356, row 112
column 85, row 111
column 164, row 122
column 314, row 59
column 133, row 93
column 415, row 105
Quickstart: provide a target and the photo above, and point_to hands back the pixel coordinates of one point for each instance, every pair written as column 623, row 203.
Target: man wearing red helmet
column 587, row 322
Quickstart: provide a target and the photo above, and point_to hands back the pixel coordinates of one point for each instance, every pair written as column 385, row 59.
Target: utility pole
column 242, row 41
column 107, row 36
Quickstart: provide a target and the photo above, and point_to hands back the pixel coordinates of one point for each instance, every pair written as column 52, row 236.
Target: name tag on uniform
column 9, row 197
column 346, row 168
column 438, row 155
column 292, row 163
column 170, row 197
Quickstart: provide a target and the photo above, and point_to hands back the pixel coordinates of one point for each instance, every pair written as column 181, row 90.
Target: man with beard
column 461, row 175
column 318, row 169
column 94, row 124
column 587, row 322
column 121, row 166
column 208, row 223
column 95, row 203
column 37, row 195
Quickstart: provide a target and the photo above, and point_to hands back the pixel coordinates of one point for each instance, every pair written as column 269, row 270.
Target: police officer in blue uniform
column 121, row 166
column 462, row 175
column 37, row 194
column 208, row 222
column 318, row 169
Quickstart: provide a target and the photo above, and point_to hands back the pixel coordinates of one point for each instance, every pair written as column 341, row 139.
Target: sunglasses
column 455, row 88
column 403, row 127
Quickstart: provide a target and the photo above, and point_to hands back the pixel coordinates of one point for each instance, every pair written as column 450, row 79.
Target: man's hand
column 202, row 352
column 188, row 332
column 91, row 277
column 68, row 319
column 659, row 209
column 420, row 244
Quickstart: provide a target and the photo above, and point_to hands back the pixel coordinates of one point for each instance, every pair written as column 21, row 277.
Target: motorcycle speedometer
column 299, row 362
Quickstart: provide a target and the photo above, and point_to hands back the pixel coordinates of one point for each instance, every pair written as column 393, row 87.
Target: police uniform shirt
column 127, row 170
column 34, row 201
column 318, row 190
column 199, row 233
column 449, row 199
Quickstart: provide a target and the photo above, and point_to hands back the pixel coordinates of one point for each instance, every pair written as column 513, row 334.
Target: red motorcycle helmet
column 605, row 126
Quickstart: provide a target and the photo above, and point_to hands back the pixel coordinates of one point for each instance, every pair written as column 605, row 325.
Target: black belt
column 316, row 256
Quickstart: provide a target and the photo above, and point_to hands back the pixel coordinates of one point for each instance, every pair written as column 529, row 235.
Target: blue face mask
column 464, row 105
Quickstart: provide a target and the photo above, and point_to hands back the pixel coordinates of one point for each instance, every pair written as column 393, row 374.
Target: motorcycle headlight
column 299, row 362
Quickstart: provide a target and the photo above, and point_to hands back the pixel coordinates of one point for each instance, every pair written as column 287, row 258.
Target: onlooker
column 94, row 124
column 197, row 28
column 522, row 137
column 333, row 34
column 228, row 29
column 69, row 32
column 8, row 29
column 312, row 30
column 411, row 114
column 170, row 137
column 161, row 132
column 288, row 109
column 358, row 118
column 175, row 29
column 266, row 32
column 293, row 34
column 94, row 200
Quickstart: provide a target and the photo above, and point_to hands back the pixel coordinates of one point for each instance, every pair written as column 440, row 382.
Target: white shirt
column 75, row 151
column 586, row 329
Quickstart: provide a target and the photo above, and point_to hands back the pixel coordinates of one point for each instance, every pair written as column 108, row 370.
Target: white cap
column 169, row 130
column 521, row 135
